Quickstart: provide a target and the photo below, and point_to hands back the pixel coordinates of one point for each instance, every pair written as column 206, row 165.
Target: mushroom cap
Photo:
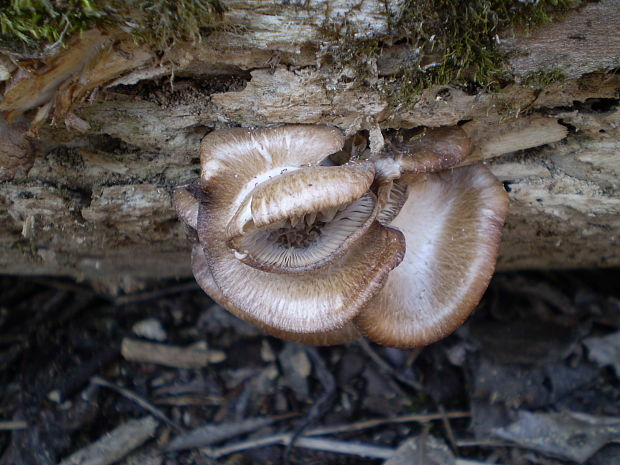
column 186, row 205
column 437, row 149
column 203, row 276
column 254, row 185
column 452, row 223
column 339, row 193
column 233, row 163
column 307, row 247
column 298, row 193
column 308, row 302
column 240, row 158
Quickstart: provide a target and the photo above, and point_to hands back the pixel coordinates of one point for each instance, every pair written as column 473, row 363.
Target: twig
column 321, row 405
column 345, row 447
column 64, row 286
column 471, row 462
column 285, row 438
column 98, row 381
column 115, row 444
column 361, row 425
column 11, row 425
column 329, row 445
column 163, row 354
column 189, row 399
column 208, row 434
column 388, row 368
column 413, row 356
column 151, row 295
column 246, row 445
column 482, row 442
column 51, row 47
column 447, row 427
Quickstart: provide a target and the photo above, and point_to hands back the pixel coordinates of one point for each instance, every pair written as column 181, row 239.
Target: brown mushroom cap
column 253, row 182
column 233, row 164
column 309, row 302
column 437, row 149
column 237, row 158
column 186, row 206
column 309, row 190
column 452, row 223
column 324, row 208
column 204, row 279
column 310, row 244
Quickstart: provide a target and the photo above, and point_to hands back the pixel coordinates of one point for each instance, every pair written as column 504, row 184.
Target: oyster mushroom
column 313, row 253
column 452, row 222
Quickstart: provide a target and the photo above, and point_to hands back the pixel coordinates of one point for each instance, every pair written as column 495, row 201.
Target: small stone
column 150, row 328
column 54, row 396
column 216, row 356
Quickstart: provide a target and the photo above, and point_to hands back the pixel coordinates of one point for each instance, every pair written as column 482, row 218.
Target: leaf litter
column 532, row 377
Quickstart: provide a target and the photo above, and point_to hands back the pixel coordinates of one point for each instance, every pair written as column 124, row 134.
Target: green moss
column 25, row 25
column 458, row 41
column 28, row 249
column 542, row 79
column 506, row 110
column 349, row 50
column 164, row 21
column 29, row 26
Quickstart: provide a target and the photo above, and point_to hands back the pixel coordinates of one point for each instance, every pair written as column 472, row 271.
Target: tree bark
column 96, row 204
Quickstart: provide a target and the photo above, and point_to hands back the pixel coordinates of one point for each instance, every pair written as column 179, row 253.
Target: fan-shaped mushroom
column 311, row 252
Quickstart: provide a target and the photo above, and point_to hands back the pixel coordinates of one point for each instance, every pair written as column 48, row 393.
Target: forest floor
column 168, row 377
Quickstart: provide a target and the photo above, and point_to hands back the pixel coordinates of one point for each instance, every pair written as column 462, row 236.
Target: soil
column 531, row 378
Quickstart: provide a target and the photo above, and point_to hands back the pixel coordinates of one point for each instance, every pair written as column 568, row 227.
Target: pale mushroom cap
column 334, row 200
column 204, row 279
column 236, row 157
column 452, row 225
column 310, row 190
column 300, row 192
column 307, row 247
column 256, row 187
column 235, row 161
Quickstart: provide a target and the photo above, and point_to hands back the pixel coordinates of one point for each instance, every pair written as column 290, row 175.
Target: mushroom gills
column 301, row 243
column 396, row 198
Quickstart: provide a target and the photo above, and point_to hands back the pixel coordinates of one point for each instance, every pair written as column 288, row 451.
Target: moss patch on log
column 542, row 79
column 30, row 27
column 456, row 43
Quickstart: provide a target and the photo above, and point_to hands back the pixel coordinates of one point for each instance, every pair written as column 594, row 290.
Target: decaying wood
column 163, row 354
column 96, row 204
column 583, row 43
column 115, row 444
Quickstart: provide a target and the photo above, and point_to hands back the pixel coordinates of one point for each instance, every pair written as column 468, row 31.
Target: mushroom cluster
column 388, row 246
